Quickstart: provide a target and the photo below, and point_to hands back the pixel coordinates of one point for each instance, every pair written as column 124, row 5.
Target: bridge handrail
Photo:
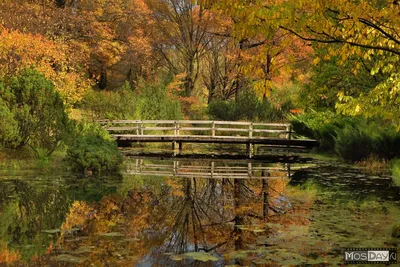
column 245, row 123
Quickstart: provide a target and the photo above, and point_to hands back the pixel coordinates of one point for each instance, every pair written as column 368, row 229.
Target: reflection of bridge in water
column 212, row 169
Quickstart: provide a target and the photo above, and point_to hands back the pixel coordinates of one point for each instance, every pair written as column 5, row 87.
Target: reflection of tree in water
column 208, row 214
column 30, row 210
column 181, row 215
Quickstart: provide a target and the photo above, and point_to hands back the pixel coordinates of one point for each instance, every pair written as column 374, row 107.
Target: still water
column 197, row 212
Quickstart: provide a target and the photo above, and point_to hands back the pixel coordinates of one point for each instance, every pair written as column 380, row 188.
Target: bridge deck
column 306, row 143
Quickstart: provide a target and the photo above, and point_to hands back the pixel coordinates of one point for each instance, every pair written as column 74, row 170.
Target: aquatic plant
column 395, row 168
column 396, row 231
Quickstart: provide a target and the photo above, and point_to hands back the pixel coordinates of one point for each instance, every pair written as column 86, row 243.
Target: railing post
column 251, row 130
column 289, row 131
column 213, row 128
column 178, row 127
column 141, row 127
column 175, row 168
column 250, row 169
column 289, row 134
column 175, row 128
column 137, row 128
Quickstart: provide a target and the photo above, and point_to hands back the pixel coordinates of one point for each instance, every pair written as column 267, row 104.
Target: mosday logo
column 378, row 255
column 373, row 255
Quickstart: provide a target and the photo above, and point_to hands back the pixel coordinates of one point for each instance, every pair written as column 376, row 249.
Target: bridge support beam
column 249, row 150
column 177, row 147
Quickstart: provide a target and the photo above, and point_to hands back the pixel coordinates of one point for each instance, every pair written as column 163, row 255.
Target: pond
column 198, row 211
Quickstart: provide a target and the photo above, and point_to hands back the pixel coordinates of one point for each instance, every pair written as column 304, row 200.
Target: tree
column 331, row 76
column 181, row 28
column 20, row 50
column 264, row 51
column 37, row 109
column 369, row 30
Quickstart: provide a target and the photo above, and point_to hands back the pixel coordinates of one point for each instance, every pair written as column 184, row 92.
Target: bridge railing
column 210, row 170
column 197, row 128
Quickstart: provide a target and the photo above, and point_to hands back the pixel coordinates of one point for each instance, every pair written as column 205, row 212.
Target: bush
column 396, row 231
column 119, row 104
column 222, row 110
column 155, row 104
column 9, row 135
column 395, row 168
column 247, row 107
column 32, row 106
column 93, row 150
column 267, row 112
column 151, row 103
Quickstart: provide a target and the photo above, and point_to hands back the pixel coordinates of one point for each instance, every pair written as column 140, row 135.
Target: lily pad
column 112, row 234
column 70, row 258
column 197, row 256
column 201, row 256
column 51, row 231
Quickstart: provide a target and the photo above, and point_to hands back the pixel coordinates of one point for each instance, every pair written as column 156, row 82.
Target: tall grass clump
column 360, row 141
column 353, row 143
column 352, row 138
column 322, row 126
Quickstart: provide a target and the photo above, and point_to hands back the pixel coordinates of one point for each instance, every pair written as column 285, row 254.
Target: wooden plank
column 231, row 129
column 195, row 129
column 271, row 124
column 270, row 131
column 157, row 128
column 194, row 122
column 232, row 123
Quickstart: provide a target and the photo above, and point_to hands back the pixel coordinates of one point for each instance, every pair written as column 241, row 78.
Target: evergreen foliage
column 33, row 111
column 94, row 150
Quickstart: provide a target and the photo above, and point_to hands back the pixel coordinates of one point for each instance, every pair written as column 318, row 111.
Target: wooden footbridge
column 275, row 135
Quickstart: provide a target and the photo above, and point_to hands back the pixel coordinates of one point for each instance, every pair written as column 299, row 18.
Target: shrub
column 9, row 136
column 247, row 107
column 93, row 150
column 222, row 110
column 396, row 231
column 267, row 112
column 37, row 110
column 155, row 104
column 151, row 103
column 119, row 104
column 395, row 167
